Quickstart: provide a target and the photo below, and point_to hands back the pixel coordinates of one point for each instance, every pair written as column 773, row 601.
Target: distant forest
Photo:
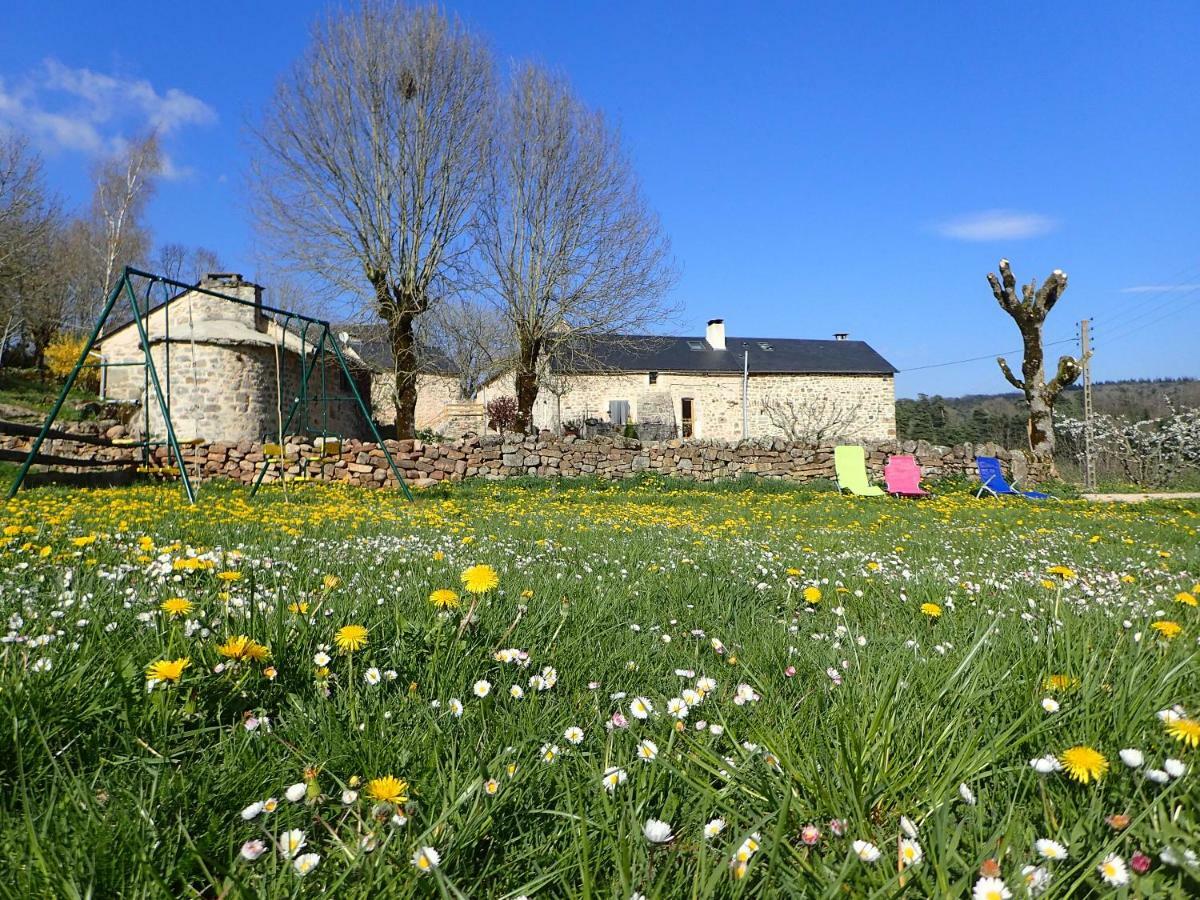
column 1001, row 418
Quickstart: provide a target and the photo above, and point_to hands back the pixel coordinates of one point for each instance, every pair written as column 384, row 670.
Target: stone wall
column 498, row 457
column 859, row 407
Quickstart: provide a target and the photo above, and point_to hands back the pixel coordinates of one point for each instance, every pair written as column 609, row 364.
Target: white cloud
column 64, row 108
column 996, row 225
column 1159, row 288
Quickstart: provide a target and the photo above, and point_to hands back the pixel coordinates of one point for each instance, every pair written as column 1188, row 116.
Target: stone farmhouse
column 234, row 369
column 224, row 368
column 715, row 387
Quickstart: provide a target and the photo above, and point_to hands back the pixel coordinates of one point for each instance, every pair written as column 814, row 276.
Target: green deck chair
column 850, row 466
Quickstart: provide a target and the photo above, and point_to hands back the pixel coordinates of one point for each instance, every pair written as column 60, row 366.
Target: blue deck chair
column 991, row 480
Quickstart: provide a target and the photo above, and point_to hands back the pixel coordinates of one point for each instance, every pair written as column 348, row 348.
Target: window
column 688, row 418
column 618, row 412
column 695, row 345
column 654, row 378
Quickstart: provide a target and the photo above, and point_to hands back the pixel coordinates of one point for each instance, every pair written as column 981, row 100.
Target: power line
column 959, row 362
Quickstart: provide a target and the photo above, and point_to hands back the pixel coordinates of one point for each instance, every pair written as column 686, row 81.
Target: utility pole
column 1085, row 358
column 745, row 392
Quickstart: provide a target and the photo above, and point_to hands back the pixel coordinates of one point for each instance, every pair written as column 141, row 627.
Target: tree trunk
column 404, row 354
column 527, row 384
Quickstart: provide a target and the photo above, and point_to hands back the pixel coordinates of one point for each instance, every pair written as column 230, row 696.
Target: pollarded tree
column 569, row 246
column 1029, row 311
column 370, row 162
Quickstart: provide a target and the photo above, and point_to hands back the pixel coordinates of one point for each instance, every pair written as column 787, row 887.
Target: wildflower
column 350, row 638
column 177, row 606
column 549, row 753
column 322, row 659
column 812, row 594
column 480, row 579
column 1036, row 879
column 305, row 863
column 908, row 826
column 1140, row 863
column 1186, row 597
column 456, row 707
column 481, row 688
column 296, row 792
column 1167, row 628
column 866, row 851
column 1113, row 870
column 252, row 811
column 1050, row 705
column 705, row 685
column 657, row 831
column 991, row 888
column 372, row 676
column 968, row 795
column 298, row 607
column 242, row 647
column 613, row 777
column 1117, row 821
column 837, row 826
column 1063, row 572
column 426, row 859
column 748, row 848
column 574, row 735
column 1060, row 682
column 444, row 598
column 1185, row 730
column 516, row 692
column 167, row 669
column 1049, row 849
column 1132, row 757
column 491, row 787
column 932, row 610
column 292, row 842
column 387, row 789
column 647, row 750
column 1175, row 767
column 640, row 708
column 1158, row 776
column 910, row 852
column 677, row 707
column 252, row 850
column 713, row 827
column 1083, row 764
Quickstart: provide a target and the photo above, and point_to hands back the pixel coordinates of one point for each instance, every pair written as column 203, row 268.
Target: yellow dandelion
column 1060, row 682
column 793, row 571
column 1083, row 764
column 167, row 669
column 176, row 606
column 329, row 582
column 812, row 594
column 388, row 789
column 1185, row 730
column 444, row 598
column 480, row 579
column 1167, row 628
column 229, row 576
column 1064, row 572
column 350, row 638
column 931, row 609
column 438, row 555
column 242, row 647
column 1048, row 584
column 1186, row 597
column 299, row 607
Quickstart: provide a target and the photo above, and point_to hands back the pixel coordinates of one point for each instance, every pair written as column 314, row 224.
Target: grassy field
column 664, row 690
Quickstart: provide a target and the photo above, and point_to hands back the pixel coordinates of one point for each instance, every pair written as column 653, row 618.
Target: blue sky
column 819, row 168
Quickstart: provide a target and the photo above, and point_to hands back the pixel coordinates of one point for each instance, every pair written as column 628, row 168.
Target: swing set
column 308, row 338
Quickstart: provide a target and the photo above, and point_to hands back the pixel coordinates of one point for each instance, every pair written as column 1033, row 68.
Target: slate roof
column 651, row 353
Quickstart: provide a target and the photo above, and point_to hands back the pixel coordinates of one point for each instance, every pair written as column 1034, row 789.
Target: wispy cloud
column 995, row 225
column 79, row 110
column 1159, row 288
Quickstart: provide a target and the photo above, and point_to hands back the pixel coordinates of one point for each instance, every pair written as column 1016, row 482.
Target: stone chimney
column 232, row 284
column 841, row 335
column 715, row 334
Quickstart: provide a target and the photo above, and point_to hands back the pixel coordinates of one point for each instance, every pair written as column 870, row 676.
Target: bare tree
column 181, row 263
column 368, row 165
column 1029, row 311
column 816, row 420
column 473, row 339
column 123, row 186
column 27, row 218
column 570, row 248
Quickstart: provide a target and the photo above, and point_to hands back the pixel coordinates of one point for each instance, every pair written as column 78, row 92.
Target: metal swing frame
column 152, row 382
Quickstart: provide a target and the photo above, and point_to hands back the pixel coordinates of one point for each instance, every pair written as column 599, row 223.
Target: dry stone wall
column 508, row 456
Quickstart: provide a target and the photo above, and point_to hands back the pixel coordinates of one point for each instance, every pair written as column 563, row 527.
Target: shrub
column 502, row 413
column 61, row 356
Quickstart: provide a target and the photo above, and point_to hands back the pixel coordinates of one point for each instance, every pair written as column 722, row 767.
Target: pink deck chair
column 903, row 477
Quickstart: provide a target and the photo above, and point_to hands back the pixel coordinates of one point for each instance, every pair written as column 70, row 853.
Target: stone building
column 717, row 387
column 224, row 367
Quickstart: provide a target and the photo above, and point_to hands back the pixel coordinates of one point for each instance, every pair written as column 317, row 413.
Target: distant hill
column 1001, row 418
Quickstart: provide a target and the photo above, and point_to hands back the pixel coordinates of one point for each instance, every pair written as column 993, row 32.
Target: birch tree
column 123, row 186
column 1029, row 311
column 569, row 246
column 368, row 166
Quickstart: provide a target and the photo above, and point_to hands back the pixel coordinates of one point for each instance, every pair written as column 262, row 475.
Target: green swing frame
column 154, row 383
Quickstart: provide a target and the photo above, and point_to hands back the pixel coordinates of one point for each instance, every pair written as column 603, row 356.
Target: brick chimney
column 715, row 334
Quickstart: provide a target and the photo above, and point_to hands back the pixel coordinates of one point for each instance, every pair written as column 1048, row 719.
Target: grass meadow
column 593, row 690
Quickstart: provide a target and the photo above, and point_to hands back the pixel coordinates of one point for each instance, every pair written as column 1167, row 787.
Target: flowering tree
column 1150, row 452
